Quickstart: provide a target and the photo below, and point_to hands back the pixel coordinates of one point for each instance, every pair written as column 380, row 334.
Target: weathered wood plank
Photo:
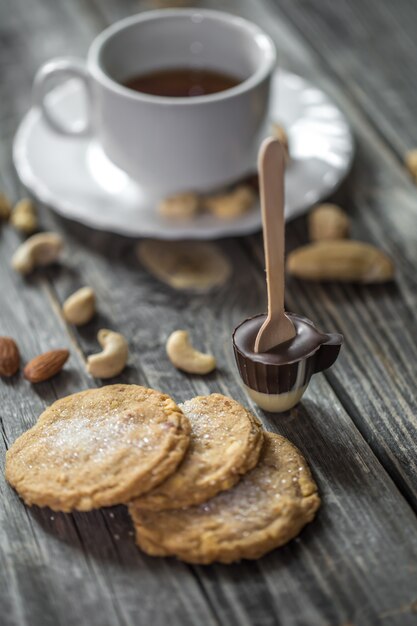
column 342, row 551
column 370, row 48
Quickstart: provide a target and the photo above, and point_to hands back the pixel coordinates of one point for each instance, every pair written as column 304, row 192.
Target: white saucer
column 74, row 177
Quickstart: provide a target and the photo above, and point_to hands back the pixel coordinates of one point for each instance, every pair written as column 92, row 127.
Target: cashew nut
column 232, row 204
column 328, row 222
column 112, row 360
column 5, row 207
column 182, row 354
column 180, row 206
column 80, row 307
column 39, row 250
column 24, row 217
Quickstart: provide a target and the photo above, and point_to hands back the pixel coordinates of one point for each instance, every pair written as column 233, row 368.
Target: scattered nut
column 231, row 205
column 112, row 360
column 24, row 216
column 343, row 260
column 5, row 207
column 180, row 206
column 39, row 250
column 411, row 162
column 9, row 356
column 184, row 264
column 46, row 365
column 183, row 356
column 328, row 221
column 280, row 133
column 80, row 307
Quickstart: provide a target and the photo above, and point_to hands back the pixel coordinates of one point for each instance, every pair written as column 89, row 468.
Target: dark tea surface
column 181, row 82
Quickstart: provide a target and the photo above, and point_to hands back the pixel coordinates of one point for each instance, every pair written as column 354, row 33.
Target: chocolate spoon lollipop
column 277, row 328
column 277, row 353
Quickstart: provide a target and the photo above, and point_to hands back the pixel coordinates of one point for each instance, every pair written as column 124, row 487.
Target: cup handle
column 62, row 67
column 328, row 352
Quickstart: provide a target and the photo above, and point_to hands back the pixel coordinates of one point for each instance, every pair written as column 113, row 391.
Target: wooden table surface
column 357, row 563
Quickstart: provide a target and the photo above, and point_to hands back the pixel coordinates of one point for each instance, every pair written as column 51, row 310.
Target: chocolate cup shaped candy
column 277, row 379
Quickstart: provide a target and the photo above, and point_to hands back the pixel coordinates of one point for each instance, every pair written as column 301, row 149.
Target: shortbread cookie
column 225, row 443
column 98, row 448
column 267, row 508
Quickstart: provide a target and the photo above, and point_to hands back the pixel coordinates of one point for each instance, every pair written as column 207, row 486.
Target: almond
column 328, row 221
column 9, row 356
column 46, row 365
column 80, row 307
column 343, row 260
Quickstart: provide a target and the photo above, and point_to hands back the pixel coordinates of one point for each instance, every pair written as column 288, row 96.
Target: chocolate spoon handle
column 277, row 328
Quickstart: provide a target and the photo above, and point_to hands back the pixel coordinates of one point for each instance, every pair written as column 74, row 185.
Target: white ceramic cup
column 172, row 144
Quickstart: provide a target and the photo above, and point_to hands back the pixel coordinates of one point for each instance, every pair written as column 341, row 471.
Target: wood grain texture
column 370, row 49
column 357, row 562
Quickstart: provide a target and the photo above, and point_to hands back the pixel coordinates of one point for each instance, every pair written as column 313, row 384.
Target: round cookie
column 98, row 448
column 226, row 441
column 267, row 508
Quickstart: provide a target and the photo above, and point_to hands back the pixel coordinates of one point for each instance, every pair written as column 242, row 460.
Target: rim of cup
column 263, row 41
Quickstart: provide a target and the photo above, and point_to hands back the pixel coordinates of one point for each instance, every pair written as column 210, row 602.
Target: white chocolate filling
column 276, row 402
